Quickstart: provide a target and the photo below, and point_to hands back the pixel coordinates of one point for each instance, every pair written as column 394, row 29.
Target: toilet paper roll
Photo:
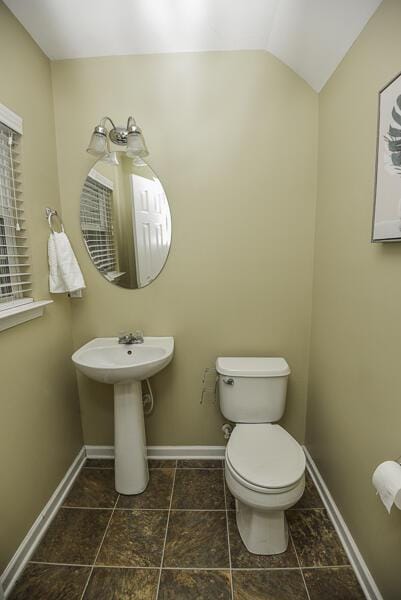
column 387, row 481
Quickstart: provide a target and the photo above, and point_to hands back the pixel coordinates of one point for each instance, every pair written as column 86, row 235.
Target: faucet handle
column 130, row 338
column 123, row 336
column 138, row 335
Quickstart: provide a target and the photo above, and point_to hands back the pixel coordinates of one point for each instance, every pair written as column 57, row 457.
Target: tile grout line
column 146, row 509
column 98, row 550
column 299, row 563
column 57, row 564
column 228, row 539
column 161, row 468
column 178, row 509
column 99, row 468
column 194, row 568
column 186, row 468
column 306, row 508
column 165, row 535
column 112, row 508
column 65, row 506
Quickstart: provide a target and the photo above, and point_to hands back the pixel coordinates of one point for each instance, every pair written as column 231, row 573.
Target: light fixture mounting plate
column 118, row 135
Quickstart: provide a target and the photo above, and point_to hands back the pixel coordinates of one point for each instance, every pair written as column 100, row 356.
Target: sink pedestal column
column 131, row 465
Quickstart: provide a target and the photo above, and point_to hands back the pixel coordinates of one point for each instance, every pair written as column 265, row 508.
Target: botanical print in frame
column 387, row 209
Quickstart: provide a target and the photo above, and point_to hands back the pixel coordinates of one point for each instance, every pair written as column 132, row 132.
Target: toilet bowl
column 264, row 464
column 264, row 471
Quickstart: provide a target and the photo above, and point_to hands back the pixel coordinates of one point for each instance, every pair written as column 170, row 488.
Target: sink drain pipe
column 148, row 399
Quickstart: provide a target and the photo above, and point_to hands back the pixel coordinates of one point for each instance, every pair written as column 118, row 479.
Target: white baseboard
column 194, row 452
column 38, row 529
column 99, row 451
column 355, row 557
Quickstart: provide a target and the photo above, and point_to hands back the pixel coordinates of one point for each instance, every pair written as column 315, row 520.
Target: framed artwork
column 387, row 206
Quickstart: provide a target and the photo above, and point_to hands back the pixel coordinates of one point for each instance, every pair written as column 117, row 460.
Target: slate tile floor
column 179, row 541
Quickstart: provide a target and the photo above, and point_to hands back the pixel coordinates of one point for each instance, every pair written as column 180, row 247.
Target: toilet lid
column 265, row 455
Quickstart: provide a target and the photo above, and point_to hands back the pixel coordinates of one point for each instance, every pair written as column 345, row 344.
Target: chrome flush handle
column 228, row 380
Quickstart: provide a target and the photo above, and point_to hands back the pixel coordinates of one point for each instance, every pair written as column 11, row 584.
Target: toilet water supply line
column 148, row 399
column 209, row 387
column 227, row 430
column 210, row 382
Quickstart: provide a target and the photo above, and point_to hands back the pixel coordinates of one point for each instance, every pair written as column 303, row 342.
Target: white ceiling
column 310, row 36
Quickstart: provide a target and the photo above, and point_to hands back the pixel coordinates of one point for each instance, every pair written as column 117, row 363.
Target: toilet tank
column 252, row 389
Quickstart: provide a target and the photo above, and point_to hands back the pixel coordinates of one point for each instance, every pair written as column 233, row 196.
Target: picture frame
column 386, row 224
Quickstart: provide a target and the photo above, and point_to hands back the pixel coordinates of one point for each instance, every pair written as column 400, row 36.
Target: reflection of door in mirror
column 152, row 227
column 123, row 220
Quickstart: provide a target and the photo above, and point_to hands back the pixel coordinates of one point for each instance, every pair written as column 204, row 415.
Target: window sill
column 22, row 313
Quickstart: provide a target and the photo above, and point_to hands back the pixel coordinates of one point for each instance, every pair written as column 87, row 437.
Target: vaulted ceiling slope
column 310, row 36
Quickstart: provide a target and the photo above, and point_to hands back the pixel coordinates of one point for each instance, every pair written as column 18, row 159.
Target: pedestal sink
column 125, row 366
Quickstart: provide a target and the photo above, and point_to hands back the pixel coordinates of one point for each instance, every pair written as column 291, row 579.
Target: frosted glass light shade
column 138, row 162
column 97, row 145
column 136, row 145
column 110, row 158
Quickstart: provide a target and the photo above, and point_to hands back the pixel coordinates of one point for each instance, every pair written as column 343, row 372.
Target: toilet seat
column 265, row 458
column 256, row 488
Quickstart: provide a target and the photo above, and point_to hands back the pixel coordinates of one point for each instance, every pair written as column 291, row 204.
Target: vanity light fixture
column 97, row 145
column 110, row 157
column 130, row 136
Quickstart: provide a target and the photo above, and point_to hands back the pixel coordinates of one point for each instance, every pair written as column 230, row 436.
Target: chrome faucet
column 131, row 338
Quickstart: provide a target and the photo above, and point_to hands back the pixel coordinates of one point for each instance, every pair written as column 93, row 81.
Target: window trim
column 99, row 178
column 22, row 313
column 24, row 309
column 14, row 122
column 11, row 119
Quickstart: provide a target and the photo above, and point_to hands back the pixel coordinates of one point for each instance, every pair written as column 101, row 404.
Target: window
column 15, row 267
column 97, row 222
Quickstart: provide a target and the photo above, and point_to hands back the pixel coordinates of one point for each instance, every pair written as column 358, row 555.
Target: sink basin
column 125, row 366
column 107, row 361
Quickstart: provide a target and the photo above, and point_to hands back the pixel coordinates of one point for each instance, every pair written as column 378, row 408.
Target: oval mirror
column 125, row 220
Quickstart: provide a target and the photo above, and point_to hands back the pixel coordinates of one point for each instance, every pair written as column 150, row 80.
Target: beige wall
column 40, row 430
column 354, row 409
column 233, row 137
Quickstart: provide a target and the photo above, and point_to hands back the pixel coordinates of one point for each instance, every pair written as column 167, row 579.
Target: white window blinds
column 15, row 268
column 97, row 224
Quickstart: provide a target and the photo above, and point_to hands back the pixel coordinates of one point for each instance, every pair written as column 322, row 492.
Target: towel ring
column 50, row 213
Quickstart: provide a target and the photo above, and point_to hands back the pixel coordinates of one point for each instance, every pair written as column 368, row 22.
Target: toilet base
column 262, row 531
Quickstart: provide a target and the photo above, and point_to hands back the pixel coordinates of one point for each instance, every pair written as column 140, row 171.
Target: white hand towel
column 64, row 272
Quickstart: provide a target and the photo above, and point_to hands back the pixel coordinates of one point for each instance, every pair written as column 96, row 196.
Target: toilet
column 264, row 464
